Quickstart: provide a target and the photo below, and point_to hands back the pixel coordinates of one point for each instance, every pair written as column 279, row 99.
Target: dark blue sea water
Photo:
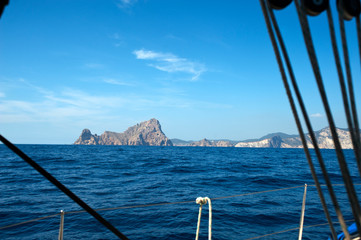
column 115, row 176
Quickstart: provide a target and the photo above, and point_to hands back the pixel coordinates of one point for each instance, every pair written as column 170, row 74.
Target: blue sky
column 204, row 69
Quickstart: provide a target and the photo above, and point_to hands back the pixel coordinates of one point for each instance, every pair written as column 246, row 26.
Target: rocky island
column 276, row 140
column 282, row 140
column 148, row 133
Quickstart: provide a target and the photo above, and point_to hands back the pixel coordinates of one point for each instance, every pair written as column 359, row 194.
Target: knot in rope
column 201, row 201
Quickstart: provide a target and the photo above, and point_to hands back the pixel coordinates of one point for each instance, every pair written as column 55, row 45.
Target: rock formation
column 275, row 140
column 148, row 133
column 211, row 143
column 324, row 140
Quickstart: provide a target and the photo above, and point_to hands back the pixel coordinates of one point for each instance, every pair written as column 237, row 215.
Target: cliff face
column 211, row 143
column 87, row 138
column 324, row 140
column 148, row 133
column 273, row 142
column 276, row 140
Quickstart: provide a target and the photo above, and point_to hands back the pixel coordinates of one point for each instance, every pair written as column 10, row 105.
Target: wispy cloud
column 173, row 37
column 40, row 90
column 69, row 105
column 118, row 82
column 72, row 106
column 125, row 3
column 119, row 41
column 171, row 63
column 94, row 66
column 316, row 115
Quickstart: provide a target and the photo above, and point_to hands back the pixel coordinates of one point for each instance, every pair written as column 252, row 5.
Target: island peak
column 147, row 133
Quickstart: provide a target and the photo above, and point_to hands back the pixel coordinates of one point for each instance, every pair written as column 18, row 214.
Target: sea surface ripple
column 116, row 176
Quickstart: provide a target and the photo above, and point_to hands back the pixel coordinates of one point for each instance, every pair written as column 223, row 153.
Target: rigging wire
column 294, row 111
column 64, row 189
column 179, row 202
column 312, row 135
column 29, row 221
column 293, row 229
column 358, row 29
column 350, row 123
column 355, row 206
column 354, row 127
column 155, row 204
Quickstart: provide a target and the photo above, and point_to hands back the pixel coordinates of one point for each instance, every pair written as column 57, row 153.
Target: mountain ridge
column 147, row 133
column 278, row 140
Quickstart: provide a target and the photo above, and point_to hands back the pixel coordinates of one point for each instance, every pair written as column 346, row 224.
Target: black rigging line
column 341, row 159
column 313, row 138
column 351, row 124
column 64, row 189
column 354, row 128
column 358, row 28
column 3, row 4
column 299, row 97
column 343, row 87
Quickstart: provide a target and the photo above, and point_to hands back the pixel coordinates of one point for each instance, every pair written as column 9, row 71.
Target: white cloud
column 118, row 82
column 316, row 115
column 171, row 63
column 72, row 106
column 76, row 98
column 94, row 66
column 145, row 54
column 68, row 105
column 2, row 94
column 125, row 3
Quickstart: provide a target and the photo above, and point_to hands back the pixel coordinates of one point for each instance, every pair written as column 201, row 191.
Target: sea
column 149, row 192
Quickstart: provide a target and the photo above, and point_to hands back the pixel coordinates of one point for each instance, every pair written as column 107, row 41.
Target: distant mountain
column 275, row 140
column 180, row 142
column 270, row 135
column 282, row 140
column 203, row 143
column 212, row 143
column 148, row 133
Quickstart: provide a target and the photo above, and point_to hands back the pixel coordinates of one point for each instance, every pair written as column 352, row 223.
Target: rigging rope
column 293, row 229
column 155, row 204
column 166, row 203
column 341, row 159
column 354, row 133
column 64, row 189
column 201, row 201
column 185, row 202
column 344, row 94
column 354, row 128
column 294, row 110
column 352, row 125
column 358, row 28
column 29, row 221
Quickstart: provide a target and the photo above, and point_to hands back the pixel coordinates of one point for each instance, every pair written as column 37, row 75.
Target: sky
column 204, row 69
